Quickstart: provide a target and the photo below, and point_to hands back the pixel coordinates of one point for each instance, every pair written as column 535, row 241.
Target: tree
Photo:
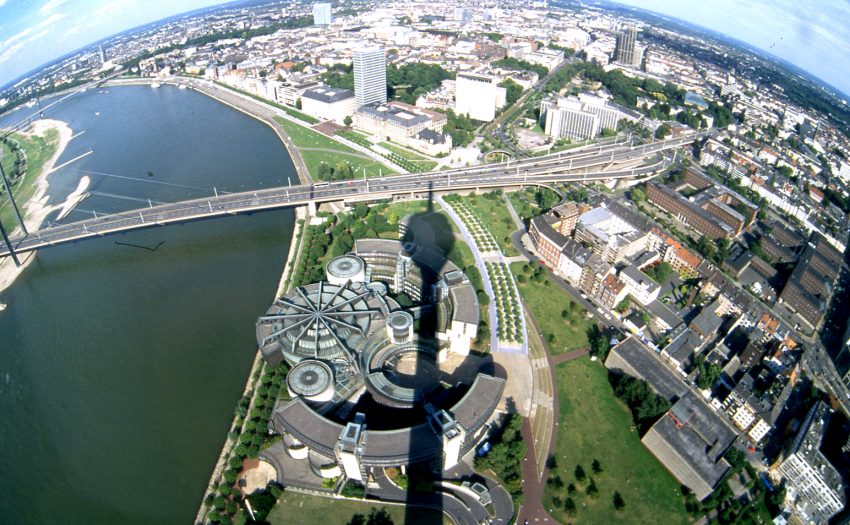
column 580, row 474
column 571, row 489
column 637, row 195
column 596, row 466
column 379, row 517
column 512, row 91
column 592, row 490
column 347, row 120
column 298, row 104
column 618, row 501
column 706, row 248
column 570, row 507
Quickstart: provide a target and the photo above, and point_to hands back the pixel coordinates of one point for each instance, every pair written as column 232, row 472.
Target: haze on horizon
column 808, row 34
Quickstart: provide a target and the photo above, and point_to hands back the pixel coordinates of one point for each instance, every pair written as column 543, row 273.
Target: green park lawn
column 593, row 424
column 310, row 143
column 547, row 302
column 494, row 215
column 533, row 201
column 38, row 149
column 422, row 162
column 295, row 508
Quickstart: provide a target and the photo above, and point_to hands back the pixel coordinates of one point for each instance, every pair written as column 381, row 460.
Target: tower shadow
column 421, row 488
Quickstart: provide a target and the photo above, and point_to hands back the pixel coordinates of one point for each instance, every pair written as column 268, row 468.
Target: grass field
column 38, row 150
column 547, row 302
column 494, row 215
column 423, row 163
column 302, row 509
column 593, row 424
column 310, row 143
column 533, row 201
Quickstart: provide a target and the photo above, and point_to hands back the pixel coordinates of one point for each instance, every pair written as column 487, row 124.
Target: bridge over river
column 616, row 161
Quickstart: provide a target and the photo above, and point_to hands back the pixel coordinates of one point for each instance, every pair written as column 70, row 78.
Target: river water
column 120, row 366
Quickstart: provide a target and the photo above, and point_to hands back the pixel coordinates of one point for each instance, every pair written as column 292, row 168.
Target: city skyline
column 802, row 33
column 799, row 35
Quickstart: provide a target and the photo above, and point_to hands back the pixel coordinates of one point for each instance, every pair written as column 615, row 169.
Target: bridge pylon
column 9, row 245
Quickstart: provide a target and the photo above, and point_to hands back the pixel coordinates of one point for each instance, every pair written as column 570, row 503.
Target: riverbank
column 35, row 209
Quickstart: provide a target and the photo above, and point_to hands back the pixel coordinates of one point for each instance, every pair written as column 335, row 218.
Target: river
column 119, row 365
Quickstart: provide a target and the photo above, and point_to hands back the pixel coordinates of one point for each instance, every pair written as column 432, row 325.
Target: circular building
column 399, row 327
column 311, row 379
column 318, row 321
column 346, row 268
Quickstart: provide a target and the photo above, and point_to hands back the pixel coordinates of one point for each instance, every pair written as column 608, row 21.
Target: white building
column 642, row 289
column 322, row 14
column 577, row 118
column 328, row 103
column 478, row 96
column 370, row 75
column 548, row 58
column 814, row 485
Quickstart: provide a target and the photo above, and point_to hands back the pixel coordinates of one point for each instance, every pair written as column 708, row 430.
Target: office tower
column 478, row 96
column 625, row 52
column 370, row 75
column 102, row 56
column 322, row 14
column 577, row 118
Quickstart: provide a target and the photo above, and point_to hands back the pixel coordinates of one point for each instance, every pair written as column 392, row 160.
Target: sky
column 813, row 35
column 34, row 32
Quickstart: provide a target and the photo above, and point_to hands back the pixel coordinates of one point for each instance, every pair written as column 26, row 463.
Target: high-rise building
column 102, row 56
column 478, row 96
column 577, row 118
column 370, row 75
column 626, row 51
column 322, row 14
column 814, row 485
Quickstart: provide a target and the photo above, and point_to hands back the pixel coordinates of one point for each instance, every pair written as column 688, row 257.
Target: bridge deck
column 541, row 170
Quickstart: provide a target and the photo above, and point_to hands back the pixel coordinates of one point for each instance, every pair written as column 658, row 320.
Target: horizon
column 24, row 26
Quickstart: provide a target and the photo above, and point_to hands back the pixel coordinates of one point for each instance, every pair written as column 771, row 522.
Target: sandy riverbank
column 36, row 209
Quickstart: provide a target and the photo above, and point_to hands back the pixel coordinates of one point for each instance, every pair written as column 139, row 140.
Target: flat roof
column 637, row 360
column 327, row 95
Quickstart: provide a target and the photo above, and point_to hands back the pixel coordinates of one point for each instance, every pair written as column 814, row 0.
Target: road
column 602, row 164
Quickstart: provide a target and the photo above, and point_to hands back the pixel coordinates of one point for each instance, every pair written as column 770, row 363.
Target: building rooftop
column 633, row 358
column 690, row 441
column 328, row 95
column 393, row 114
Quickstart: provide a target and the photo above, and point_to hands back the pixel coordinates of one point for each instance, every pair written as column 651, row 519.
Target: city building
column 683, row 261
column 478, row 96
column 626, row 52
column 812, row 282
column 328, row 103
column 639, row 286
column 408, row 125
column 690, row 440
column 347, row 339
column 370, row 75
column 814, row 486
column 322, row 14
column 609, row 235
column 712, row 210
column 577, row 118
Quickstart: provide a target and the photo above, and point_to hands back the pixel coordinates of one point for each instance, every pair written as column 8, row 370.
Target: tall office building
column 626, row 52
column 814, row 485
column 577, row 118
column 478, row 96
column 322, row 14
column 370, row 75
column 102, row 56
